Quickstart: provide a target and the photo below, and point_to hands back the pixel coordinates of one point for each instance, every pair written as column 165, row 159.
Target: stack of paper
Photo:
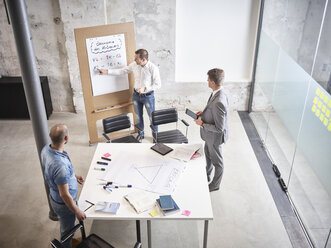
column 167, row 205
column 141, row 200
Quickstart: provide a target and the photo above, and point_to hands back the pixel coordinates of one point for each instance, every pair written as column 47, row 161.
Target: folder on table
column 161, row 148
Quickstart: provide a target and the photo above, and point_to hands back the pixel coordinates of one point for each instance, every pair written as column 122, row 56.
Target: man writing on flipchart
column 147, row 79
column 213, row 122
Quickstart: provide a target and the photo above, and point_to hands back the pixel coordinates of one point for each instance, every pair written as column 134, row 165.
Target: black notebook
column 161, row 148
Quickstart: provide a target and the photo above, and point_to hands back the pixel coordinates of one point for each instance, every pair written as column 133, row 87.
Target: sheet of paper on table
column 152, row 173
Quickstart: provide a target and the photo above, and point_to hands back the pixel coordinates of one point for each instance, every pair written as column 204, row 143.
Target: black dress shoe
column 213, row 188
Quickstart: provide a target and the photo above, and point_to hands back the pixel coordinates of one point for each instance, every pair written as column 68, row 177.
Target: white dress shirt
column 144, row 76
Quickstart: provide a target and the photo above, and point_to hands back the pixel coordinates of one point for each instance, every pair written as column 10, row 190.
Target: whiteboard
column 107, row 52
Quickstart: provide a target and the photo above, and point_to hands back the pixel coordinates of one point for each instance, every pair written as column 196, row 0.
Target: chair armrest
column 185, row 123
column 137, row 245
column 153, row 129
column 71, row 232
column 136, row 126
column 106, row 137
column 56, row 244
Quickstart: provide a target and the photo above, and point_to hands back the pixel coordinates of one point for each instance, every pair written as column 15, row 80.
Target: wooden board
column 111, row 104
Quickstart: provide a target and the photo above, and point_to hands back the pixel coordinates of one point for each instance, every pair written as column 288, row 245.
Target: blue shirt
column 58, row 170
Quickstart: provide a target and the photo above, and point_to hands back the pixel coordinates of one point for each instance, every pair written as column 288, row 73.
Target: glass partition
column 292, row 114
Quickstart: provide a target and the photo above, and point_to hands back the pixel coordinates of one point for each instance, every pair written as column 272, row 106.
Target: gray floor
column 245, row 214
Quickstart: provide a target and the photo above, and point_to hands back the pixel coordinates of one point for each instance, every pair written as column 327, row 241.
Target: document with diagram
column 155, row 174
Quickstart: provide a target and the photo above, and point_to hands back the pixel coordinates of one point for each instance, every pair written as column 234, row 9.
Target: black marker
column 108, row 159
column 103, row 163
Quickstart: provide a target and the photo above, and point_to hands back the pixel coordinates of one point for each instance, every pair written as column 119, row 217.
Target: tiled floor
column 244, row 212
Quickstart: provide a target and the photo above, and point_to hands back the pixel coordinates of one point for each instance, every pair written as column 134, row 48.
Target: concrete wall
column 78, row 14
column 48, row 40
column 52, row 26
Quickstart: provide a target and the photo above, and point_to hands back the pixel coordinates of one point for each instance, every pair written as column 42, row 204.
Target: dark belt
column 144, row 94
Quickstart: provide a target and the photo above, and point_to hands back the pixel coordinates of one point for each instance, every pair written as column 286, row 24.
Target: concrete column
column 31, row 82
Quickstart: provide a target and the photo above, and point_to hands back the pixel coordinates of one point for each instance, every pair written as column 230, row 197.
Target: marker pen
column 104, row 158
column 125, row 186
column 101, row 169
column 113, row 186
column 107, row 188
column 103, row 163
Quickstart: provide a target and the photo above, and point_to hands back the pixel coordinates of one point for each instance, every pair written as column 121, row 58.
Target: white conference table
column 191, row 192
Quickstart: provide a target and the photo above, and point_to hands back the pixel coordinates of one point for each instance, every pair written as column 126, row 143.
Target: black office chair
column 92, row 241
column 166, row 116
column 116, row 123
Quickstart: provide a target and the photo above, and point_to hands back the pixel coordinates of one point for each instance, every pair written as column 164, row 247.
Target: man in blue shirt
column 62, row 181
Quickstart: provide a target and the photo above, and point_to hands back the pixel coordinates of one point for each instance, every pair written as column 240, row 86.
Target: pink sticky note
column 106, row 155
column 186, row 213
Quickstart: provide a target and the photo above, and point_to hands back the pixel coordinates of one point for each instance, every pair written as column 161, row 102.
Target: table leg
column 138, row 231
column 149, row 234
column 205, row 235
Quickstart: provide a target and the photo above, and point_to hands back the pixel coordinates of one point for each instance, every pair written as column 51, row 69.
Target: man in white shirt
column 147, row 79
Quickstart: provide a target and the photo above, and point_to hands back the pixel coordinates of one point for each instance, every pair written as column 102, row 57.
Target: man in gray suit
column 213, row 122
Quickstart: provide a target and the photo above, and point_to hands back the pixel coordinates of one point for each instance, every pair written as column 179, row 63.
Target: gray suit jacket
column 215, row 118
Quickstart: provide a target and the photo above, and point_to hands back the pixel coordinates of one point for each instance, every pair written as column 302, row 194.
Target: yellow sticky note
column 329, row 127
column 322, row 95
column 315, row 100
column 318, row 91
column 321, row 117
column 313, row 108
column 329, row 104
column 325, row 99
column 319, row 104
column 325, row 122
column 154, row 213
column 327, row 113
column 317, row 113
column 323, row 108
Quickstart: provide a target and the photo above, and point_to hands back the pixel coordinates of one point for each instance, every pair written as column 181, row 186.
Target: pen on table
column 101, row 169
column 92, row 204
column 104, row 158
column 103, row 163
column 125, row 186
column 89, row 202
column 120, row 186
column 107, row 188
column 106, row 184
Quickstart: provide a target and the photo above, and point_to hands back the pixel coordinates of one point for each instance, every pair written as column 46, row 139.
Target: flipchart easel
column 110, row 104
